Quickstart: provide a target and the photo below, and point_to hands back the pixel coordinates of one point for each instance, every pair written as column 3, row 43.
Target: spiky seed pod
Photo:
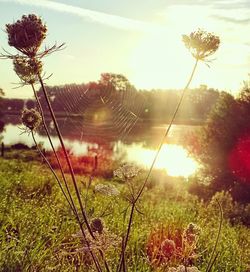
column 31, row 119
column 27, row 69
column 97, row 225
column 27, row 34
column 201, row 44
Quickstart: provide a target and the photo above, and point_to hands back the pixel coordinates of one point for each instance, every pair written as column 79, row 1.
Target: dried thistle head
column 27, row 69
column 97, row 225
column 31, row 119
column 201, row 44
column 27, row 34
column 127, row 172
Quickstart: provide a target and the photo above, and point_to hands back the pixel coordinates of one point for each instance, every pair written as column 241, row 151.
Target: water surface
column 139, row 146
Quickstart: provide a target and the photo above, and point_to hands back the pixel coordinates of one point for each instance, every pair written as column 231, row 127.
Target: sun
column 161, row 60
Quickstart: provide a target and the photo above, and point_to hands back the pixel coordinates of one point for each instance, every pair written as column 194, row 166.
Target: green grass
column 36, row 224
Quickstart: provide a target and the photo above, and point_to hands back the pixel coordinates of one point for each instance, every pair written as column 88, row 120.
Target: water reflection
column 174, row 159
column 139, row 148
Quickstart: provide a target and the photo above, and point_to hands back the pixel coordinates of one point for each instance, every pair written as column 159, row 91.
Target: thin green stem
column 77, row 216
column 70, row 168
column 152, row 165
column 71, row 202
column 212, row 259
column 65, row 155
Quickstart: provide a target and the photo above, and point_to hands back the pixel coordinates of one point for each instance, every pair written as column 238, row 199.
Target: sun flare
column 174, row 159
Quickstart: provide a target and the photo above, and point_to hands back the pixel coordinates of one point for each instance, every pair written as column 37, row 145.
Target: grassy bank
column 38, row 231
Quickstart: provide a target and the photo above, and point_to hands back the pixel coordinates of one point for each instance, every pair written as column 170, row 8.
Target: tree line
column 157, row 105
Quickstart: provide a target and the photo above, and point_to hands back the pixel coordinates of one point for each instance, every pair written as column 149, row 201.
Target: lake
column 138, row 145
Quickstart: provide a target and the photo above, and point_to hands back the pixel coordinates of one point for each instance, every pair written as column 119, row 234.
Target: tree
column 224, row 148
column 114, row 81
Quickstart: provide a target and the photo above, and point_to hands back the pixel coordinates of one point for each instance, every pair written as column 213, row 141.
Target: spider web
column 98, row 116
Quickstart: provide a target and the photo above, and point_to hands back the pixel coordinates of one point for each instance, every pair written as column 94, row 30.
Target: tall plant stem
column 70, row 166
column 70, row 200
column 77, row 216
column 122, row 256
column 73, row 207
column 66, row 156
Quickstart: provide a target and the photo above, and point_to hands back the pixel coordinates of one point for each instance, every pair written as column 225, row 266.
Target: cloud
column 231, row 20
column 232, row 4
column 218, row 4
column 110, row 20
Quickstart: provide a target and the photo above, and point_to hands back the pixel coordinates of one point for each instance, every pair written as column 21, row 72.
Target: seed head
column 126, row 172
column 201, row 44
column 31, row 118
column 97, row 225
column 106, row 189
column 27, row 69
column 27, row 34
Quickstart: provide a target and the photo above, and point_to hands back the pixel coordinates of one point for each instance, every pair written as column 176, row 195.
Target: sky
column 141, row 39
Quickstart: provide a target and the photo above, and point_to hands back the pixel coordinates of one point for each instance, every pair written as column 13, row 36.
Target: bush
column 223, row 149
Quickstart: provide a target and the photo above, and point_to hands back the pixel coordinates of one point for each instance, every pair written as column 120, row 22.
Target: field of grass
column 38, row 231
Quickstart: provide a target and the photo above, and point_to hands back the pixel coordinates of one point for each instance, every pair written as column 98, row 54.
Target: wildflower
column 31, row 118
column 106, row 189
column 201, row 44
column 27, row 69
column 126, row 172
column 168, row 248
column 164, row 245
column 181, row 268
column 96, row 225
column 27, row 34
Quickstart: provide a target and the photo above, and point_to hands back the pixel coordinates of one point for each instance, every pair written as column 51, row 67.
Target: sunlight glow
column 162, row 61
column 149, row 52
column 174, row 159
